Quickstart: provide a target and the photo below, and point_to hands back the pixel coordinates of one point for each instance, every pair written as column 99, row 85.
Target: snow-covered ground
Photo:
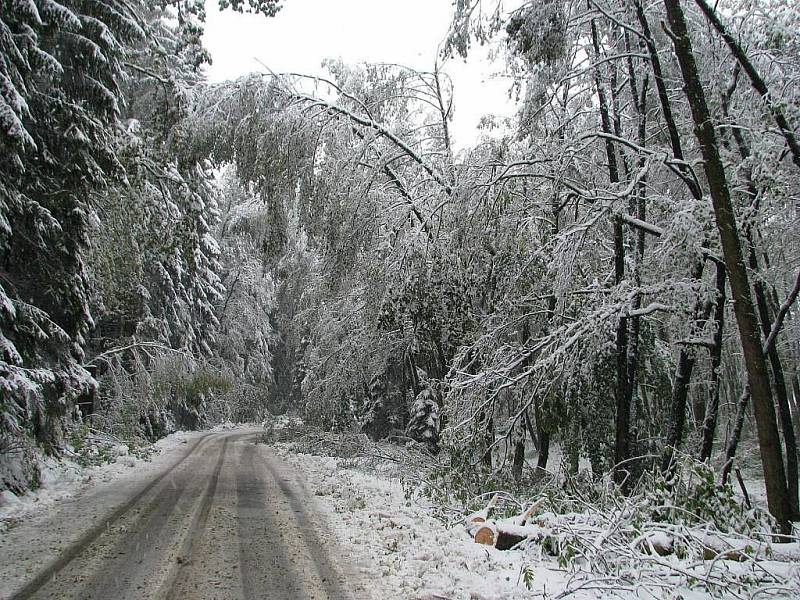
column 404, row 552
column 65, row 478
column 400, row 551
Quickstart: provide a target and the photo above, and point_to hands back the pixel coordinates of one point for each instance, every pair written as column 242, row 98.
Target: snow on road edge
column 65, row 478
column 403, row 551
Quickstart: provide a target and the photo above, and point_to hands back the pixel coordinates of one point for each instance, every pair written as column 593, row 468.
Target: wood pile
column 503, row 534
column 547, row 529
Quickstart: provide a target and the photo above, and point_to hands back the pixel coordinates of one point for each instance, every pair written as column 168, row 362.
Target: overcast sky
column 305, row 32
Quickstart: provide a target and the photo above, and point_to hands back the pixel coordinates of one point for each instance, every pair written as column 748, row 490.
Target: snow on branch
column 787, row 304
column 380, row 129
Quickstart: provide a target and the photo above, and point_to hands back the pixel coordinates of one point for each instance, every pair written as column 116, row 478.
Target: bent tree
column 744, row 308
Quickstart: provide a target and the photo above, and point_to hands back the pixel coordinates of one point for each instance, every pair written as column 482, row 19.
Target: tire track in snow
column 328, row 575
column 199, row 522
column 93, row 533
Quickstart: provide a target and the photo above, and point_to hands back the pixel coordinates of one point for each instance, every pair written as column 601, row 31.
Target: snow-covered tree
column 61, row 71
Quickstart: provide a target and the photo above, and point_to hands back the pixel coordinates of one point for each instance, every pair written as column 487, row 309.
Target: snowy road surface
column 218, row 517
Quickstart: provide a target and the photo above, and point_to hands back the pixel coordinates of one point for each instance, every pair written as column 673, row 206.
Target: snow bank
column 405, row 553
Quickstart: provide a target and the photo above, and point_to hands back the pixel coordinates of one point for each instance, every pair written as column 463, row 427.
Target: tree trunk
column 762, row 304
column 677, row 411
column 796, row 400
column 519, row 456
column 543, row 440
column 489, row 440
column 621, row 397
column 733, row 443
column 755, row 363
column 636, row 208
column 663, row 98
column 779, row 380
column 680, row 389
column 544, row 449
column 712, row 410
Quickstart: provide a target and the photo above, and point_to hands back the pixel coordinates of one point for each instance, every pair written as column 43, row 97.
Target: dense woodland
column 613, row 271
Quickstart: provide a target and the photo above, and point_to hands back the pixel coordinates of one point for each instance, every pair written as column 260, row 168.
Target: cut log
column 505, row 534
column 507, row 539
column 485, row 534
column 500, row 536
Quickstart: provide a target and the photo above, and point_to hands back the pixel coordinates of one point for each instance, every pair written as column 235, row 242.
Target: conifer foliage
column 107, row 217
column 61, row 68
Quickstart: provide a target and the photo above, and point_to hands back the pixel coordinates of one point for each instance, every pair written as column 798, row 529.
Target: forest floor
column 223, row 515
column 405, row 552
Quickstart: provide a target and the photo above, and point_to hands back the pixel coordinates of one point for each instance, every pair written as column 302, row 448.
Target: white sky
column 305, row 32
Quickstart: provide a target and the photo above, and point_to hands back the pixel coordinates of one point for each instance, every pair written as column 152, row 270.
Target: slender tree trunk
column 680, row 389
column 544, row 449
column 779, row 380
column 411, row 365
column 762, row 304
column 621, row 397
column 542, row 439
column 796, row 400
column 755, row 363
column 531, row 432
column 677, row 419
column 519, row 455
column 663, row 97
column 686, row 359
column 736, row 434
column 489, row 440
column 712, row 410
column 636, row 208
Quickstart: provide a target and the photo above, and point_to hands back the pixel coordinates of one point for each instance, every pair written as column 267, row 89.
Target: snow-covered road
column 220, row 516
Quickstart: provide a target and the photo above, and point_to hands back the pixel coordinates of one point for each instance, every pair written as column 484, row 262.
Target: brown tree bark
column 755, row 363
column 779, row 380
column 763, row 306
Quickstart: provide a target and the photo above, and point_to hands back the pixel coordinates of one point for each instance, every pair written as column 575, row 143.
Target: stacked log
column 503, row 534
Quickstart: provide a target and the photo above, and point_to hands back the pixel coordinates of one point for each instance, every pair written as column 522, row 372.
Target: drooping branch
column 380, row 130
column 401, row 188
column 132, row 346
column 756, row 80
column 776, row 326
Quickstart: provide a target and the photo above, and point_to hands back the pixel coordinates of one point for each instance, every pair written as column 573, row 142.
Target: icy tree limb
column 755, row 79
column 381, row 130
column 787, row 304
column 120, row 349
